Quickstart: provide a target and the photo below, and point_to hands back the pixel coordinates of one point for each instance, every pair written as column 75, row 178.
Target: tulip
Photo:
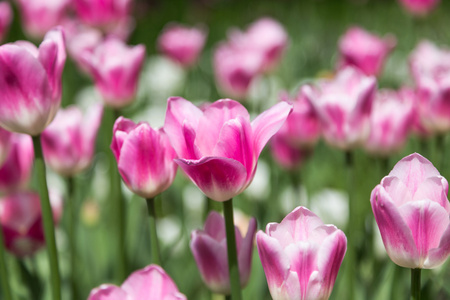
column 5, row 144
column 390, row 122
column 115, row 68
column 16, row 171
column 301, row 256
column 39, row 16
column 182, row 44
column 21, row 221
column 287, row 155
column 419, row 7
column 144, row 157
column 364, row 50
column 68, row 142
column 430, row 67
column 144, row 284
column 343, row 105
column 218, row 147
column 30, row 80
column 266, row 36
column 209, row 247
column 6, row 15
column 413, row 213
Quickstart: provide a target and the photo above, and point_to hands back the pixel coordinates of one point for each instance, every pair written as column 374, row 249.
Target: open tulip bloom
column 301, row 256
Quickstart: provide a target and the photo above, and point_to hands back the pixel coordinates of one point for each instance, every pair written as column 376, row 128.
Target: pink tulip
column 150, row 283
column 364, row 50
column 419, row 7
column 285, row 154
column 21, row 221
column 413, row 213
column 5, row 144
column 209, row 247
column 39, row 16
column 6, row 16
column 144, row 157
column 16, row 170
column 107, row 15
column 301, row 256
column 266, row 36
column 68, row 142
column 430, row 67
column 343, row 105
column 218, row 147
column 390, row 122
column 30, row 81
column 115, row 68
column 182, row 44
column 235, row 69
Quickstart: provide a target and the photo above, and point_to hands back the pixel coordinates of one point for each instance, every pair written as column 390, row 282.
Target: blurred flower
column 6, row 16
column 16, row 170
column 182, row 44
column 21, row 221
column 209, row 247
column 343, row 105
column 218, row 147
column 115, row 68
column 410, row 95
column 419, row 7
column 364, row 50
column 5, row 144
column 30, row 81
column 390, row 122
column 39, row 16
column 430, row 67
column 413, row 213
column 285, row 154
column 266, row 36
column 68, row 142
column 144, row 284
column 331, row 206
column 301, row 256
column 144, row 157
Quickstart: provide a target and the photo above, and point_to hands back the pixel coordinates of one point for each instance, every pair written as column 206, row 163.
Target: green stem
column 156, row 257
column 47, row 219
column 415, row 284
column 351, row 248
column 6, row 290
column 233, row 267
column 72, row 216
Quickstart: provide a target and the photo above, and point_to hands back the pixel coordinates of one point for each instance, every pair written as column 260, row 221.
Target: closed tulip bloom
column 209, row 247
column 6, row 16
column 21, row 221
column 285, row 154
column 68, row 142
column 413, row 213
column 116, row 68
column 150, row 283
column 364, row 50
column 15, row 172
column 301, row 256
column 343, row 105
column 39, row 16
column 144, row 157
column 218, row 147
column 390, row 122
column 266, row 36
column 182, row 44
column 30, row 81
column 419, row 7
column 5, row 144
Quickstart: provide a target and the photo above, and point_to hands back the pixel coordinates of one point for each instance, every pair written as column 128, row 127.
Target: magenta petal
column 267, row 124
column 219, row 178
column 121, row 128
column 107, row 292
column 246, row 251
column 396, row 234
column 434, row 188
column 439, row 255
column 215, row 226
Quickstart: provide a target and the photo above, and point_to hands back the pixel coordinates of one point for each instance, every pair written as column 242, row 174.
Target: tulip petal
column 397, row 236
column 121, row 128
column 427, row 221
column 267, row 124
column 212, row 261
column 107, row 292
column 434, row 188
column 246, row 251
column 397, row 189
column 219, row 178
column 215, row 226
column 439, row 255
